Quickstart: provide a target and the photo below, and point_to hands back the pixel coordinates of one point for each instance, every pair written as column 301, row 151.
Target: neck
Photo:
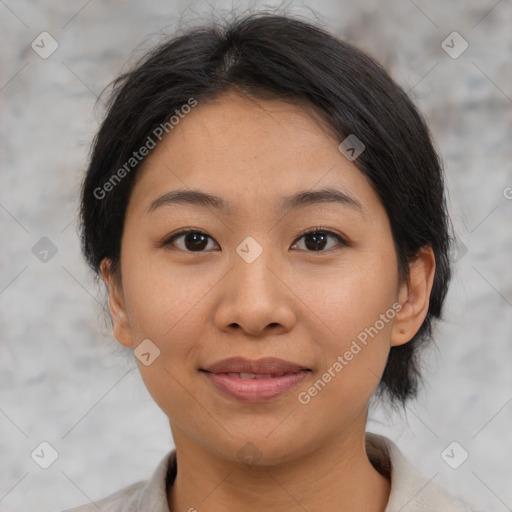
column 335, row 478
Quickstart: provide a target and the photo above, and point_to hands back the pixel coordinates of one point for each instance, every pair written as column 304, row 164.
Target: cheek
column 167, row 307
column 352, row 298
column 354, row 352
column 355, row 316
column 159, row 297
column 169, row 313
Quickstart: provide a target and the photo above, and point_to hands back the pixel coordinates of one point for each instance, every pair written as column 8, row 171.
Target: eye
column 192, row 240
column 316, row 239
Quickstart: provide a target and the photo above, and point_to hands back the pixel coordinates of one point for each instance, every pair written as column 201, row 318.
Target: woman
column 266, row 209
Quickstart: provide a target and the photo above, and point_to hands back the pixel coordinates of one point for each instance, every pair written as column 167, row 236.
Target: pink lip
column 275, row 377
column 272, row 365
column 255, row 389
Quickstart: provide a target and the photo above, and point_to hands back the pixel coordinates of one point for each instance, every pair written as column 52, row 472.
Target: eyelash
column 315, row 230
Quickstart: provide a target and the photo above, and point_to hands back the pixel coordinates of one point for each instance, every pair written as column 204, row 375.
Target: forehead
column 250, row 151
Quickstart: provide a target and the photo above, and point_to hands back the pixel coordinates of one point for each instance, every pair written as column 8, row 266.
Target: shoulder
column 410, row 491
column 124, row 500
column 141, row 496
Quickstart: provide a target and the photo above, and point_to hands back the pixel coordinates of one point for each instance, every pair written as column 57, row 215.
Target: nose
column 255, row 297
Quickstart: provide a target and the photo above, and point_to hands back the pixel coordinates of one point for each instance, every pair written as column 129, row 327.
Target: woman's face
column 254, row 285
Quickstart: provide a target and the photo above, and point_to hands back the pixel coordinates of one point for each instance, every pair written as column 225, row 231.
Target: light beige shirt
column 410, row 492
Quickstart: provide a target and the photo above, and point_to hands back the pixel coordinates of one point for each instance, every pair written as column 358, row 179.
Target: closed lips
column 245, row 368
column 255, row 381
column 243, row 375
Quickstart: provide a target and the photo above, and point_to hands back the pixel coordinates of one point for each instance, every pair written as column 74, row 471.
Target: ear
column 121, row 326
column 414, row 297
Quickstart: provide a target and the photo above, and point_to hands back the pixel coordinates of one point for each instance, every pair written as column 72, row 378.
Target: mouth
column 255, row 381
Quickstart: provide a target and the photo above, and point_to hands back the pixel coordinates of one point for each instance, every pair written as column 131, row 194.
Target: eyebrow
column 298, row 200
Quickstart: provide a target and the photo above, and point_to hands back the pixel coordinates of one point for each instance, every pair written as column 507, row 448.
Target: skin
column 291, row 302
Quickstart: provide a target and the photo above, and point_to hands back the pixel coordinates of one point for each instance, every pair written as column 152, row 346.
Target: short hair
column 265, row 54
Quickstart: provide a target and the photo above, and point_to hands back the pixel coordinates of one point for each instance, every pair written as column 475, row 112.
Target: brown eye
column 317, row 239
column 190, row 240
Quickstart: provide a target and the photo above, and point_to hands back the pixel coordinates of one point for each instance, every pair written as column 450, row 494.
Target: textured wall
column 64, row 379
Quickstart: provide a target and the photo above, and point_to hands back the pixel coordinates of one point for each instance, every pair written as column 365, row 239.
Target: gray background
column 65, row 380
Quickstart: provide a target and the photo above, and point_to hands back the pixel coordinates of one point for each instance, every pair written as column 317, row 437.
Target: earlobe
column 414, row 297
column 121, row 327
